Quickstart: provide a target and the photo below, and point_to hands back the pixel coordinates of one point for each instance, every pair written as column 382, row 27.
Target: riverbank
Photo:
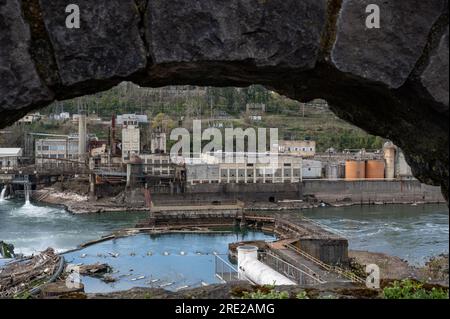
column 77, row 203
column 435, row 271
column 82, row 204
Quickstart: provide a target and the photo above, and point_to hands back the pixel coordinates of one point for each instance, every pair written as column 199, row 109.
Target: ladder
column 345, row 273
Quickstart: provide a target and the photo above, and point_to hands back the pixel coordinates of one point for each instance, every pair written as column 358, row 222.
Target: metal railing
column 225, row 271
column 304, row 276
column 344, row 273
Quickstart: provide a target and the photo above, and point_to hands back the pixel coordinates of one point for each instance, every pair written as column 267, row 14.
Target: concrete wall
column 246, row 192
column 329, row 251
column 407, row 191
column 372, row 191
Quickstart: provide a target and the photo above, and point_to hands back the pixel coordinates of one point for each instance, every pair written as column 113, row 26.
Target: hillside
column 295, row 120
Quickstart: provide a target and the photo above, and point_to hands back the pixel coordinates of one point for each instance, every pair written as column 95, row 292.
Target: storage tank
column 332, row 171
column 341, row 170
column 375, row 169
column 355, row 169
column 389, row 150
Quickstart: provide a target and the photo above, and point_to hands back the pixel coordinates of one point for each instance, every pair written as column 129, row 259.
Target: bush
column 302, row 295
column 409, row 289
column 265, row 293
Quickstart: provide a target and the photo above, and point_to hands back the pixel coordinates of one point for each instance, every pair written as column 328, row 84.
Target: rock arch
column 391, row 81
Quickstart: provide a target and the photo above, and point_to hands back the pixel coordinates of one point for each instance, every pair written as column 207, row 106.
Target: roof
column 141, row 118
column 4, row 152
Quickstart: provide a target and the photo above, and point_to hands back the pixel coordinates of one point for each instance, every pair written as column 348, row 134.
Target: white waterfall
column 2, row 194
column 27, row 190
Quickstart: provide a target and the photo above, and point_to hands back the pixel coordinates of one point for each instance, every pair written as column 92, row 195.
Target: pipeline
column 36, row 290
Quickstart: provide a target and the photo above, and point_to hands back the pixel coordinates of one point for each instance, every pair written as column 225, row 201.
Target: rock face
column 20, row 84
column 388, row 54
column 391, row 81
column 435, row 77
column 266, row 33
column 107, row 44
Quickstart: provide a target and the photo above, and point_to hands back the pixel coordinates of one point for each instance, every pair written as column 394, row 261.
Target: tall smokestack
column 82, row 136
column 113, row 135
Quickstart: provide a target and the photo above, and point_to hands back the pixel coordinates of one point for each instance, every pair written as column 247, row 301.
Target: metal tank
column 355, row 170
column 332, row 171
column 375, row 169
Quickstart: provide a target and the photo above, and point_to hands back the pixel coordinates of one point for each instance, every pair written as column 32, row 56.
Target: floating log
column 22, row 275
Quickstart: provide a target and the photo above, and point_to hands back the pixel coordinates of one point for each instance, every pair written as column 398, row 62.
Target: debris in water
column 20, row 275
column 182, row 287
column 138, row 278
column 115, row 255
column 95, row 269
column 108, row 279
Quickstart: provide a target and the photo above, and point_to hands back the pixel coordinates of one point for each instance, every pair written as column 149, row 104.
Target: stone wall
column 392, row 81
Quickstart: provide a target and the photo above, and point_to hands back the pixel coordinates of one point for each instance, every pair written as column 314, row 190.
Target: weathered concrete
column 408, row 191
column 389, row 81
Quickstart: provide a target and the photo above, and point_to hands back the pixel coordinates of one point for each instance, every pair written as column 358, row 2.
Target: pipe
column 36, row 290
column 251, row 268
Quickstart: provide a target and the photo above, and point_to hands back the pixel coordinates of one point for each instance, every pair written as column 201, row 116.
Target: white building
column 61, row 116
column 30, row 118
column 311, row 169
column 131, row 139
column 125, row 118
column 304, row 148
column 9, row 157
column 212, row 169
column 52, row 151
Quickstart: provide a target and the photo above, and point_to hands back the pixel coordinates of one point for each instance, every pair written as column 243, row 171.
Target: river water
column 413, row 233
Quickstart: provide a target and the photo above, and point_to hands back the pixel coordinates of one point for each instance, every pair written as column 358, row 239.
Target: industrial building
column 131, row 139
column 49, row 149
column 210, row 169
column 9, row 158
column 157, row 164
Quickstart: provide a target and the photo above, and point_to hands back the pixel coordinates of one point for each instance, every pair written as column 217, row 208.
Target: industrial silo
column 332, row 171
column 355, row 169
column 375, row 169
column 389, row 150
column 341, row 170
